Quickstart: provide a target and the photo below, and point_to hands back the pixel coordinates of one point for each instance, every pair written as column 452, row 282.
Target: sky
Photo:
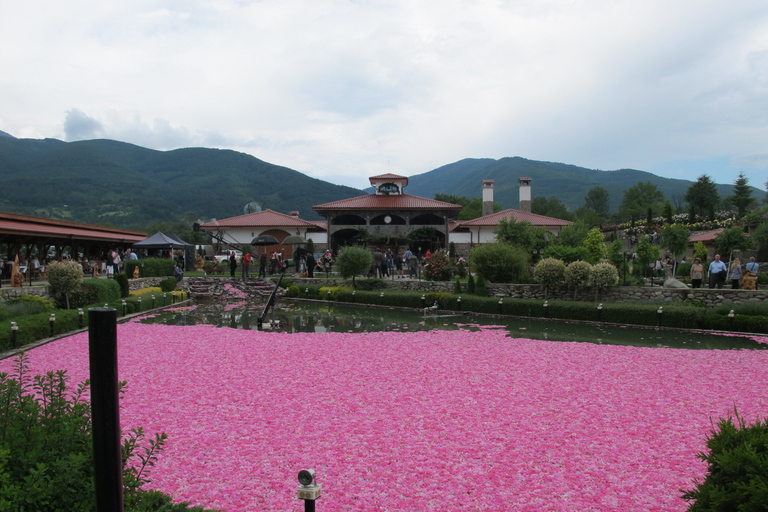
column 342, row 90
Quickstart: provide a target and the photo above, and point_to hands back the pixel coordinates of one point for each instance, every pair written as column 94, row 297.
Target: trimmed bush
column 65, row 278
column 151, row 267
column 168, row 285
column 122, row 281
column 106, row 290
column 501, row 263
column 577, row 275
column 439, row 267
column 549, row 272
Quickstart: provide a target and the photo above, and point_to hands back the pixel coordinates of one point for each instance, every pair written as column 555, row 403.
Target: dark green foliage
column 702, row 195
column 122, row 282
column 24, row 305
column 501, row 263
column 105, row 290
column 480, row 289
column 737, row 468
column 46, row 449
column 371, row 284
column 168, row 285
column 471, row 285
column 352, row 261
column 36, row 327
column 457, row 287
column 438, row 268
column 566, row 253
column 151, row 267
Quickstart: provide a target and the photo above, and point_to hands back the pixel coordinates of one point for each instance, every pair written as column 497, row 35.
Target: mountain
column 105, row 181
column 568, row 183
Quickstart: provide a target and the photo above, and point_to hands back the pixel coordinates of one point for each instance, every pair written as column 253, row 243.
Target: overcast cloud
column 342, row 90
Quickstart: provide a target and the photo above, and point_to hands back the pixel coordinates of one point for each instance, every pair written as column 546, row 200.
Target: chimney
column 525, row 195
column 295, row 214
column 487, row 197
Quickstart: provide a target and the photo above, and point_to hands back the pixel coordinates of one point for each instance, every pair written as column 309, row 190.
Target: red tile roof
column 707, row 236
column 520, row 216
column 388, row 176
column 390, row 202
column 263, row 218
column 13, row 223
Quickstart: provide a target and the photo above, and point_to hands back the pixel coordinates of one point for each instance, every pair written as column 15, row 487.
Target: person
column 130, row 255
column 735, row 273
column 178, row 273
column 246, row 264
column 115, row 261
column 399, row 265
column 310, row 265
column 273, row 262
column 750, row 276
column 697, row 272
column 377, row 257
column 232, row 264
column 659, row 267
column 716, row 273
column 263, row 265
column 407, row 261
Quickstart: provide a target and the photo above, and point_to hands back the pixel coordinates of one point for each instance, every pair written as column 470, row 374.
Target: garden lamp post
column 80, row 314
column 309, row 490
column 14, row 334
column 52, row 321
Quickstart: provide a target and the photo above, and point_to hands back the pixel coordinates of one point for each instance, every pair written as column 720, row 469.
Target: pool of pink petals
column 440, row 420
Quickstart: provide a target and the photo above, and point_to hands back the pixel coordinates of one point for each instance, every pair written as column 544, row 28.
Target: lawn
column 441, row 420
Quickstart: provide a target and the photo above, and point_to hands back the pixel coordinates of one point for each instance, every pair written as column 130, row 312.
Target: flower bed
column 453, row 420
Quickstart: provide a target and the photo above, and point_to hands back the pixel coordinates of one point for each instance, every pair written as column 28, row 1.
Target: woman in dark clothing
column 232, row 264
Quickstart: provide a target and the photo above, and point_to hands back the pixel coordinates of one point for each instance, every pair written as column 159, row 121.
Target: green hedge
column 151, row 267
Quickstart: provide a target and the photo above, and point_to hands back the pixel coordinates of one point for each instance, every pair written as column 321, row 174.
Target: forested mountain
column 105, row 181
column 568, row 183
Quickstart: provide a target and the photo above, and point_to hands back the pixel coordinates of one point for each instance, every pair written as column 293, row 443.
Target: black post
column 105, row 409
column 14, row 334
column 309, row 505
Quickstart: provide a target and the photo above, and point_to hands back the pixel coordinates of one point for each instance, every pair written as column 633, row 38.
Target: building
column 389, row 218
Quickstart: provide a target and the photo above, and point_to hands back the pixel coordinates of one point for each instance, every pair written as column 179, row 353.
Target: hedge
column 151, row 267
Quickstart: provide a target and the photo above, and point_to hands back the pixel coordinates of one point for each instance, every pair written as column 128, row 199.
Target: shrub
column 603, row 274
column 168, row 285
column 480, row 289
column 595, row 245
column 471, row 285
column 65, row 278
column 439, row 267
column 737, row 467
column 549, row 272
column 501, row 263
column 143, row 291
column 122, row 281
column 457, row 287
column 371, row 284
column 46, row 449
column 25, row 305
column 151, row 267
column 566, row 253
column 106, row 290
column 577, row 275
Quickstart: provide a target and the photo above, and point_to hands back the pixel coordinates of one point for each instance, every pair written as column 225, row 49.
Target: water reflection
column 320, row 317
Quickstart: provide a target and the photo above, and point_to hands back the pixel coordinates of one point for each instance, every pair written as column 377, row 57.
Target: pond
column 317, row 316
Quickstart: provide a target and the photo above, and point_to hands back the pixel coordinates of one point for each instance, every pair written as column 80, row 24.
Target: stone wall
column 45, row 291
column 613, row 294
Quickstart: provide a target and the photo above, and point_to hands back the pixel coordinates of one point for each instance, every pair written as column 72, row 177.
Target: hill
column 568, row 183
column 105, row 181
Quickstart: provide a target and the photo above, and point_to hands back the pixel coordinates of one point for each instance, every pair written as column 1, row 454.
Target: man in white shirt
column 716, row 273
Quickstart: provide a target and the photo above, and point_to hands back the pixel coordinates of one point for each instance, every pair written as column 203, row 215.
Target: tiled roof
column 391, row 202
column 520, row 216
column 12, row 223
column 262, row 218
column 388, row 176
column 707, row 236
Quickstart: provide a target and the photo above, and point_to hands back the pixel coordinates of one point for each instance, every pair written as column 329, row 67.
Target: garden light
column 52, row 320
column 501, row 304
column 80, row 315
column 139, row 303
column 423, row 300
column 353, row 295
column 164, row 295
column 309, row 490
column 546, row 305
column 14, row 334
column 382, row 294
column 123, row 304
column 153, row 301
column 659, row 314
column 458, row 303
column 600, row 312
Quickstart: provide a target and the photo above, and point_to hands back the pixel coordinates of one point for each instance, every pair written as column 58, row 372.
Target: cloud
column 753, row 161
column 79, row 126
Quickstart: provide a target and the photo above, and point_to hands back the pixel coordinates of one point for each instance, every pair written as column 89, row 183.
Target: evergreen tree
column 638, row 199
column 742, row 198
column 598, row 200
column 702, row 195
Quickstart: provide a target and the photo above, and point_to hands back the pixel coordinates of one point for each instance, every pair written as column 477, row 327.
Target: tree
column 521, row 234
column 573, row 235
column 638, row 199
column 646, row 253
column 595, row 244
column 598, row 200
column 501, row 263
column 742, row 198
column 675, row 239
column 552, row 207
column 549, row 272
column 667, row 213
column 472, row 208
column 760, row 235
column 353, row 260
column 65, row 278
column 577, row 275
column 603, row 275
column 702, row 195
column 732, row 239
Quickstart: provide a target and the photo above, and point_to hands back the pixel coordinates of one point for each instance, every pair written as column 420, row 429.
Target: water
column 331, row 317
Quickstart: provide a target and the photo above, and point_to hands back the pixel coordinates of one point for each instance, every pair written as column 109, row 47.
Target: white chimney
column 487, row 197
column 525, row 195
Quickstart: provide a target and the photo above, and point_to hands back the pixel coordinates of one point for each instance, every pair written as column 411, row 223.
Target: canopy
column 160, row 241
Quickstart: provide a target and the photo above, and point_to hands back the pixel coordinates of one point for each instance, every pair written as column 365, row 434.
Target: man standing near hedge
column 716, row 273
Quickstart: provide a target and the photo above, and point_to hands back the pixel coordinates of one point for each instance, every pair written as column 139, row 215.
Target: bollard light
column 52, row 321
column 153, row 301
column 353, row 295
column 173, row 297
column 659, row 314
column 14, row 334
column 306, row 291
column 731, row 316
column 309, row 490
column 382, row 294
column 124, row 304
column 80, row 314
column 600, row 312
column 164, row 295
column 501, row 304
column 139, row 303
column 423, row 300
column 546, row 305
column 329, row 295
column 458, row 303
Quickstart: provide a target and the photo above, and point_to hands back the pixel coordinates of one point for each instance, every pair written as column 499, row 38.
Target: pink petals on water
column 434, row 420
